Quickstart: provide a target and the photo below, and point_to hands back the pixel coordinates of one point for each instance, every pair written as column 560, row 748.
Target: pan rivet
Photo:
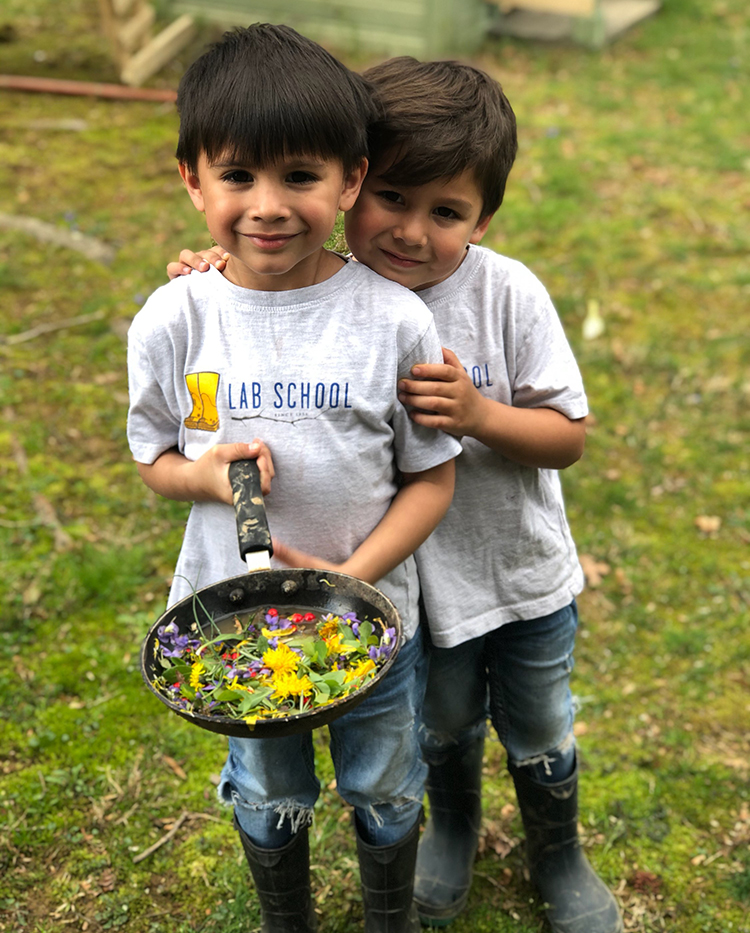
column 289, row 586
column 237, row 595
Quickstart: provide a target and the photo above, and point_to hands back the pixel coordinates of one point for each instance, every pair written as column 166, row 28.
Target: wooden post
column 128, row 25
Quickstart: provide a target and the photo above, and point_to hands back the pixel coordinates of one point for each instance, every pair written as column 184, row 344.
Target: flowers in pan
column 269, row 665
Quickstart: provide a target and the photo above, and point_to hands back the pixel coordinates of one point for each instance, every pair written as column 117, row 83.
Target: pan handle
column 253, row 533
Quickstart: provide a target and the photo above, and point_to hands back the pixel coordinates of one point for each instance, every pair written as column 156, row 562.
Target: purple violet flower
column 167, row 631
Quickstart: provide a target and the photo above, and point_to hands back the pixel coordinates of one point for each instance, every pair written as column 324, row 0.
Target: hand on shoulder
column 198, row 262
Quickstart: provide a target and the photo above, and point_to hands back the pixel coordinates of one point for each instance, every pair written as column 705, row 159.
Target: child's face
column 416, row 236
column 272, row 220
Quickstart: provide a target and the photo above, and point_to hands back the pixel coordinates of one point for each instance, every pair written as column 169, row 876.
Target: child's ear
column 351, row 185
column 193, row 185
column 481, row 228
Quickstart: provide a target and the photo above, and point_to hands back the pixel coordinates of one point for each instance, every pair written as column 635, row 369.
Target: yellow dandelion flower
column 281, row 660
column 334, row 644
column 287, row 684
column 195, row 674
column 236, row 685
column 330, row 628
column 360, row 670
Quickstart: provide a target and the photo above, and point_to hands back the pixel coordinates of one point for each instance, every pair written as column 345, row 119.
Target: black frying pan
column 298, row 590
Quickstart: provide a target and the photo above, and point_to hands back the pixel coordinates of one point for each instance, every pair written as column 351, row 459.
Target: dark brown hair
column 439, row 119
column 265, row 93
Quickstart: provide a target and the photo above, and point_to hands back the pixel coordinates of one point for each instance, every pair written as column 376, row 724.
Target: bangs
column 259, row 125
column 266, row 93
column 412, row 164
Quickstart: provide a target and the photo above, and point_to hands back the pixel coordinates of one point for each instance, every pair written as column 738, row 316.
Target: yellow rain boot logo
column 203, row 388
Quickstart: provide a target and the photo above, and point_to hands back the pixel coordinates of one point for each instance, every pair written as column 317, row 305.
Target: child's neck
column 313, row 269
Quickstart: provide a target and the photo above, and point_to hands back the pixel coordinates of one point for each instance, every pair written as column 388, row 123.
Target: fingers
column 434, row 372
column 290, row 556
column 451, row 359
column 200, row 262
column 409, row 389
column 216, row 256
column 294, row 557
column 260, row 451
column 257, row 451
column 175, row 269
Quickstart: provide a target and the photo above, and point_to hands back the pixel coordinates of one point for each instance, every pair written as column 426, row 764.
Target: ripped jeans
column 518, row 675
column 379, row 771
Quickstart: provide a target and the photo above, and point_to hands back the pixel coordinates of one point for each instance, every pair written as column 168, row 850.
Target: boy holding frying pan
column 273, row 143
column 500, row 573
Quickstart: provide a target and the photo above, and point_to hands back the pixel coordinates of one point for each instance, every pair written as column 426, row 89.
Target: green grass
column 632, row 188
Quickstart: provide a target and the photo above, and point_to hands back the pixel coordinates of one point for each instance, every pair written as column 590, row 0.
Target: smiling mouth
column 269, row 241
column 403, row 262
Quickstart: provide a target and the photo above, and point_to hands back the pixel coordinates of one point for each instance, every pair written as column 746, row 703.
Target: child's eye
column 393, row 197
column 301, row 178
column 237, row 176
column 446, row 212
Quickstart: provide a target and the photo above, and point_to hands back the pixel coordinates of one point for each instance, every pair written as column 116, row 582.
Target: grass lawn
column 631, row 193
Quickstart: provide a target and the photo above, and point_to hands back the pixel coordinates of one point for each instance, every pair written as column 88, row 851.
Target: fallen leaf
column 645, row 881
column 175, row 767
column 594, row 570
column 708, row 524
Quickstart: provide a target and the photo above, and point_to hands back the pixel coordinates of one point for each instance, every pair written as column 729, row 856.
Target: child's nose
column 411, row 232
column 268, row 204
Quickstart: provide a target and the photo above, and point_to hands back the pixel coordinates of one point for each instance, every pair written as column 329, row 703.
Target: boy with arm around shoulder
column 313, row 347
column 500, row 574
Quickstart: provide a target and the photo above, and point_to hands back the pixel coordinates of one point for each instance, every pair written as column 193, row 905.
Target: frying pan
column 296, row 590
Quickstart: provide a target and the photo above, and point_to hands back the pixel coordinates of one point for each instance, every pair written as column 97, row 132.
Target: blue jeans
column 518, row 675
column 379, row 771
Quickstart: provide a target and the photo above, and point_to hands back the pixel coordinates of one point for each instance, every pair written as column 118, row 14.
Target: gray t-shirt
column 504, row 551
column 313, row 372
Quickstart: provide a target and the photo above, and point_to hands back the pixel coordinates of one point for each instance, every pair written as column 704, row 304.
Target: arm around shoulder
column 415, row 512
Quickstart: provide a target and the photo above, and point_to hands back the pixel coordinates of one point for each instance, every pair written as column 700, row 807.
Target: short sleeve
column 547, row 374
column 153, row 414
column 419, row 448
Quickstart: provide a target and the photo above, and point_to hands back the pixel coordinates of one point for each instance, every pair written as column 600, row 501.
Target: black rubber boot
column 577, row 900
column 387, row 876
column 448, row 847
column 282, row 883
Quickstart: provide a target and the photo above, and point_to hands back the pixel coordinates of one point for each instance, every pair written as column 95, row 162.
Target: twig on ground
column 45, row 232
column 164, row 839
column 185, row 815
column 52, row 326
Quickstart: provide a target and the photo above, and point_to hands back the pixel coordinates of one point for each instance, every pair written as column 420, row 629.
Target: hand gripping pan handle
column 253, row 534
